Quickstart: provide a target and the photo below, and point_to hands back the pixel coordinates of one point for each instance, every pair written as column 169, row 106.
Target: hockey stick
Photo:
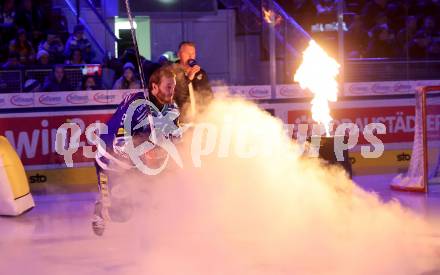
column 141, row 69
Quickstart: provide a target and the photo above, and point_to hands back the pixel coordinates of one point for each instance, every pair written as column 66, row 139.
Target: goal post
column 424, row 166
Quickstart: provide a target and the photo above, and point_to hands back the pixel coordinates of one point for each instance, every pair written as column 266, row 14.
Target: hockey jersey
column 133, row 112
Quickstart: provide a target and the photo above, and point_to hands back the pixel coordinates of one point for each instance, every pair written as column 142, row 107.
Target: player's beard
column 164, row 99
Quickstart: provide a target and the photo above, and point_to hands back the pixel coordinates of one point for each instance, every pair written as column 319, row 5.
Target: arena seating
column 378, row 31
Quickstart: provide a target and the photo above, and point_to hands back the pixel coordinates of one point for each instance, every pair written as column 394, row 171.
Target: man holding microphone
column 192, row 89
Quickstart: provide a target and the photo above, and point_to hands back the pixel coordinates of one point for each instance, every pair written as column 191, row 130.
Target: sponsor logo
column 359, row 88
column 403, row 157
column 37, row 178
column 49, row 100
column 290, row 91
column 236, row 91
column 380, row 88
column 92, row 70
column 77, row 99
column 402, row 87
column 233, row 91
column 258, row 92
column 104, row 98
column 19, row 100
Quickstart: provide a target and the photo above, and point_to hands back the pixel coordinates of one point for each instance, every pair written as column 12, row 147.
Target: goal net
column 424, row 167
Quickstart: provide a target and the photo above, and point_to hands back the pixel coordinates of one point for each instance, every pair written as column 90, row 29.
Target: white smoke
column 255, row 206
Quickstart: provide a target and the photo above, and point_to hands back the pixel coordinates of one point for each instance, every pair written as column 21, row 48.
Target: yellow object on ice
column 15, row 196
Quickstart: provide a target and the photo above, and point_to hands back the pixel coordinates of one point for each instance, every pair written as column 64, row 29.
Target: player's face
column 186, row 53
column 164, row 92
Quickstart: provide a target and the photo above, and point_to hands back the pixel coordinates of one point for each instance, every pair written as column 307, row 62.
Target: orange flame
column 269, row 14
column 318, row 73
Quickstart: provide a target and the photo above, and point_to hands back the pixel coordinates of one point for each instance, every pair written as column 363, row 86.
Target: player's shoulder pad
column 173, row 108
column 128, row 99
column 171, row 111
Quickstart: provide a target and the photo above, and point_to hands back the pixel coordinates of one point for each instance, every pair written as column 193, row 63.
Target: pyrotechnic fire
column 318, row 72
column 270, row 16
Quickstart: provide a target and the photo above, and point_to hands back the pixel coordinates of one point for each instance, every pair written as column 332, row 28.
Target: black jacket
column 202, row 89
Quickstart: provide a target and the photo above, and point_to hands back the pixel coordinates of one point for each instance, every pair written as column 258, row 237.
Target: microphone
column 192, row 62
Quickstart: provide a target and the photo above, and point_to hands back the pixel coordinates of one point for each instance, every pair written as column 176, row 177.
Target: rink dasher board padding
column 32, row 132
column 392, row 161
column 15, row 196
column 287, row 91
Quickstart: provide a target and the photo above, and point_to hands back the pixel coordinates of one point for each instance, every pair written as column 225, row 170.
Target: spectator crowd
column 34, row 33
column 408, row 29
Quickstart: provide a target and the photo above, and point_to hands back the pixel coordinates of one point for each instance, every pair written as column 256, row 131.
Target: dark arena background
column 280, row 137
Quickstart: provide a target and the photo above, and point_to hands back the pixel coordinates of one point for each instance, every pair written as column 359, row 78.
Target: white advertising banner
column 260, row 92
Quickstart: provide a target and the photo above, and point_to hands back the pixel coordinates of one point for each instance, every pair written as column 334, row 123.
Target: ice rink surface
column 56, row 236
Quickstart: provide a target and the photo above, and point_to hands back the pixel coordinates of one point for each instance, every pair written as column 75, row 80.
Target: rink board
column 32, row 131
column 392, row 161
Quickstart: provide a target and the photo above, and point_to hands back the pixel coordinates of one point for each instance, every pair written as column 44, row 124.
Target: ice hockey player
column 142, row 117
